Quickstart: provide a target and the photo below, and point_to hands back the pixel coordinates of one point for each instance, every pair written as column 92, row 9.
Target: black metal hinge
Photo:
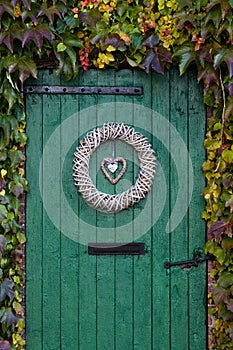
column 187, row 264
column 84, row 90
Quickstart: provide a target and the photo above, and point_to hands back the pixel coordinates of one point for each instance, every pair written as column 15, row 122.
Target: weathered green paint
column 77, row 301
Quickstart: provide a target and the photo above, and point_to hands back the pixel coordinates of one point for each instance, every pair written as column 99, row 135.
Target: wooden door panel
column 85, row 302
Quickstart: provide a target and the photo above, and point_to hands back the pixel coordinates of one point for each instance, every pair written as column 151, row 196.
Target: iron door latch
column 198, row 257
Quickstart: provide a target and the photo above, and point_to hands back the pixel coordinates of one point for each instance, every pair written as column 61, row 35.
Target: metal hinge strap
column 84, row 90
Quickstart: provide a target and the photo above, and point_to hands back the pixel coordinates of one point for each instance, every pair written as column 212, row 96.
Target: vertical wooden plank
column 70, row 258
column 87, row 270
column 160, row 239
column 179, row 236
column 51, row 234
column 197, row 276
column 105, row 264
column 34, row 256
column 124, row 264
column 142, row 264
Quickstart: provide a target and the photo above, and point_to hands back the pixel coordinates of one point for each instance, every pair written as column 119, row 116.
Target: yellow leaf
column 111, row 48
column 110, row 57
column 3, row 172
column 3, row 192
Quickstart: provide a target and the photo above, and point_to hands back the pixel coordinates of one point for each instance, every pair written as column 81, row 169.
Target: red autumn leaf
column 36, row 34
column 49, row 13
column 155, row 60
column 7, row 37
column 6, row 7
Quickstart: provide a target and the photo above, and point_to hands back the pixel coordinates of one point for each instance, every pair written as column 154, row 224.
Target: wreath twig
column 105, row 202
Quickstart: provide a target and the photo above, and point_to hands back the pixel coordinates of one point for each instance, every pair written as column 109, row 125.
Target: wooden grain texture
column 34, row 256
column 179, row 237
column 105, row 284
column 88, row 271
column 82, row 302
column 160, row 238
column 70, row 257
column 197, row 282
column 51, row 233
column 142, row 272
column 124, row 276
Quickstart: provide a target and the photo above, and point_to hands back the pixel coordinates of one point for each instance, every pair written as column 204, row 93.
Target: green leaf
column 227, row 243
column 8, row 125
column 3, row 212
column 16, row 156
column 226, row 314
column 186, row 55
column 61, row 47
column 226, row 279
column 225, row 55
column 25, row 66
column 227, row 155
column 21, row 237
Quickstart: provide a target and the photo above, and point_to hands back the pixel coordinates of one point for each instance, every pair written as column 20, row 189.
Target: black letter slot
column 134, row 248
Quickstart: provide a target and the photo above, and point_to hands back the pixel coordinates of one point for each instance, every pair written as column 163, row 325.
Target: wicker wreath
column 105, row 202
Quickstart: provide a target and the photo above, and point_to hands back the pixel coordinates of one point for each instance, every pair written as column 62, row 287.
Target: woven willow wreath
column 105, row 202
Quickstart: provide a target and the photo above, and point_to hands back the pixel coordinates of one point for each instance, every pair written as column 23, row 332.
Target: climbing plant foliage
column 149, row 35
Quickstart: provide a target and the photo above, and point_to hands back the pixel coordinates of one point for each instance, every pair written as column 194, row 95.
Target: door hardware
column 187, row 264
column 84, row 90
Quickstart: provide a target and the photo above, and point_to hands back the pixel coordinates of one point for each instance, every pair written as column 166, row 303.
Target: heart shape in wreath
column 112, row 165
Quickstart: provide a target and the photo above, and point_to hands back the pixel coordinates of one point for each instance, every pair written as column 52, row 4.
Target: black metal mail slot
column 134, row 248
column 84, row 90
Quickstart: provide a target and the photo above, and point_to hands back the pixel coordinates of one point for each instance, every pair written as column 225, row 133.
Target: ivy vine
column 150, row 35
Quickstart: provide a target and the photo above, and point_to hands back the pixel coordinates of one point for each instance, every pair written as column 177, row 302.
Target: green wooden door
column 82, row 302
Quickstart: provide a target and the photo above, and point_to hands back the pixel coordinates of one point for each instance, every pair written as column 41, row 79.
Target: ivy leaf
column 208, row 75
column 7, row 317
column 220, row 295
column 186, row 55
column 214, row 14
column 8, row 124
column 71, row 40
column 225, row 55
column 27, row 4
column 3, row 212
column 227, row 155
column 113, row 40
column 36, row 34
column 218, row 228
column 6, row 7
column 5, row 345
column 227, row 243
column 226, row 314
column 226, row 279
column 16, row 156
column 91, row 18
column 7, row 289
column 230, row 306
column 26, row 67
column 155, row 60
column 229, row 203
column 49, row 13
column 7, row 37
column 152, row 41
column 3, row 243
